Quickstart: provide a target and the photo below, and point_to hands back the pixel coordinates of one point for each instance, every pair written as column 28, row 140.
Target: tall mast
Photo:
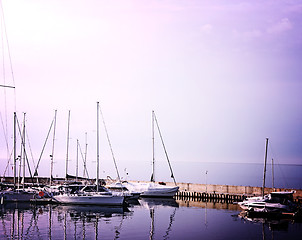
column 15, row 154
column 153, row 153
column 23, row 140
column 77, row 164
column 264, row 172
column 85, row 156
column 273, row 180
column 66, row 167
column 97, row 149
column 53, row 148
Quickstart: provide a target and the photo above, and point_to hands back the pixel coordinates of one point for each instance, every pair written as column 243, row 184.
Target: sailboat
column 18, row 194
column 153, row 189
column 274, row 202
column 94, row 197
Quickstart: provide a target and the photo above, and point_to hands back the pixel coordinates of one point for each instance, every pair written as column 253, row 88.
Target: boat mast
column 85, row 156
column 53, row 148
column 264, row 172
column 153, row 153
column 15, row 155
column 23, row 137
column 273, row 180
column 77, row 164
column 97, row 150
column 66, row 167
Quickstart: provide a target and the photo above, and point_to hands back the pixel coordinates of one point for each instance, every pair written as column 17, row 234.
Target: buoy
column 41, row 194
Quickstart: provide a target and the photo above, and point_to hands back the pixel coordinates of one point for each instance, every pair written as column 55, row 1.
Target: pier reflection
column 208, row 204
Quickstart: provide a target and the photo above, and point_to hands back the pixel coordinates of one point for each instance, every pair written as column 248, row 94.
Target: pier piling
column 215, row 197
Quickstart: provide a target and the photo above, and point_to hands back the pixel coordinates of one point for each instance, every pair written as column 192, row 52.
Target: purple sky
column 221, row 76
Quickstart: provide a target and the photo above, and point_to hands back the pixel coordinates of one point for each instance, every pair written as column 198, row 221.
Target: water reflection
column 26, row 221
column 156, row 203
column 273, row 224
column 145, row 219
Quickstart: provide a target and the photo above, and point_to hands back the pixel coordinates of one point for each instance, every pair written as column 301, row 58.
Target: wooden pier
column 212, row 197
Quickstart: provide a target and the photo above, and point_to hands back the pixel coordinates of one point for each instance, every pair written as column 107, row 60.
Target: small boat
column 273, row 202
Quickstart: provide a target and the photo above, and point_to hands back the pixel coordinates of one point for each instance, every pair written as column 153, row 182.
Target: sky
column 221, row 76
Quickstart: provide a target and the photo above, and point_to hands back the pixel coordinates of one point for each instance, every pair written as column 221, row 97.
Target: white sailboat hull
column 90, row 199
column 160, row 192
column 152, row 189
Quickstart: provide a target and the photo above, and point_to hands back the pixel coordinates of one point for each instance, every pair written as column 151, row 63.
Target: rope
column 285, row 182
column 83, row 159
column 172, row 175
column 9, row 55
column 118, row 175
column 31, row 153
column 35, row 172
column 4, row 35
column 5, row 137
column 7, row 165
column 25, row 154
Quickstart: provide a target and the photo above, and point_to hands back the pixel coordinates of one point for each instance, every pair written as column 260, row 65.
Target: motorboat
column 273, row 202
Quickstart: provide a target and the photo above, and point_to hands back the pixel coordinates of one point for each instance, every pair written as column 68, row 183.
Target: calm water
column 147, row 219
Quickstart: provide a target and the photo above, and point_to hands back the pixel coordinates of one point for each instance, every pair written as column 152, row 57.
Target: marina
column 221, row 76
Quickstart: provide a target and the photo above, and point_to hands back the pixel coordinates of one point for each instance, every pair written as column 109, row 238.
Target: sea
column 143, row 219
column 287, row 176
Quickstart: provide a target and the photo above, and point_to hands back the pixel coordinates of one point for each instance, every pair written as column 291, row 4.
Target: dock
column 210, row 197
column 224, row 193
